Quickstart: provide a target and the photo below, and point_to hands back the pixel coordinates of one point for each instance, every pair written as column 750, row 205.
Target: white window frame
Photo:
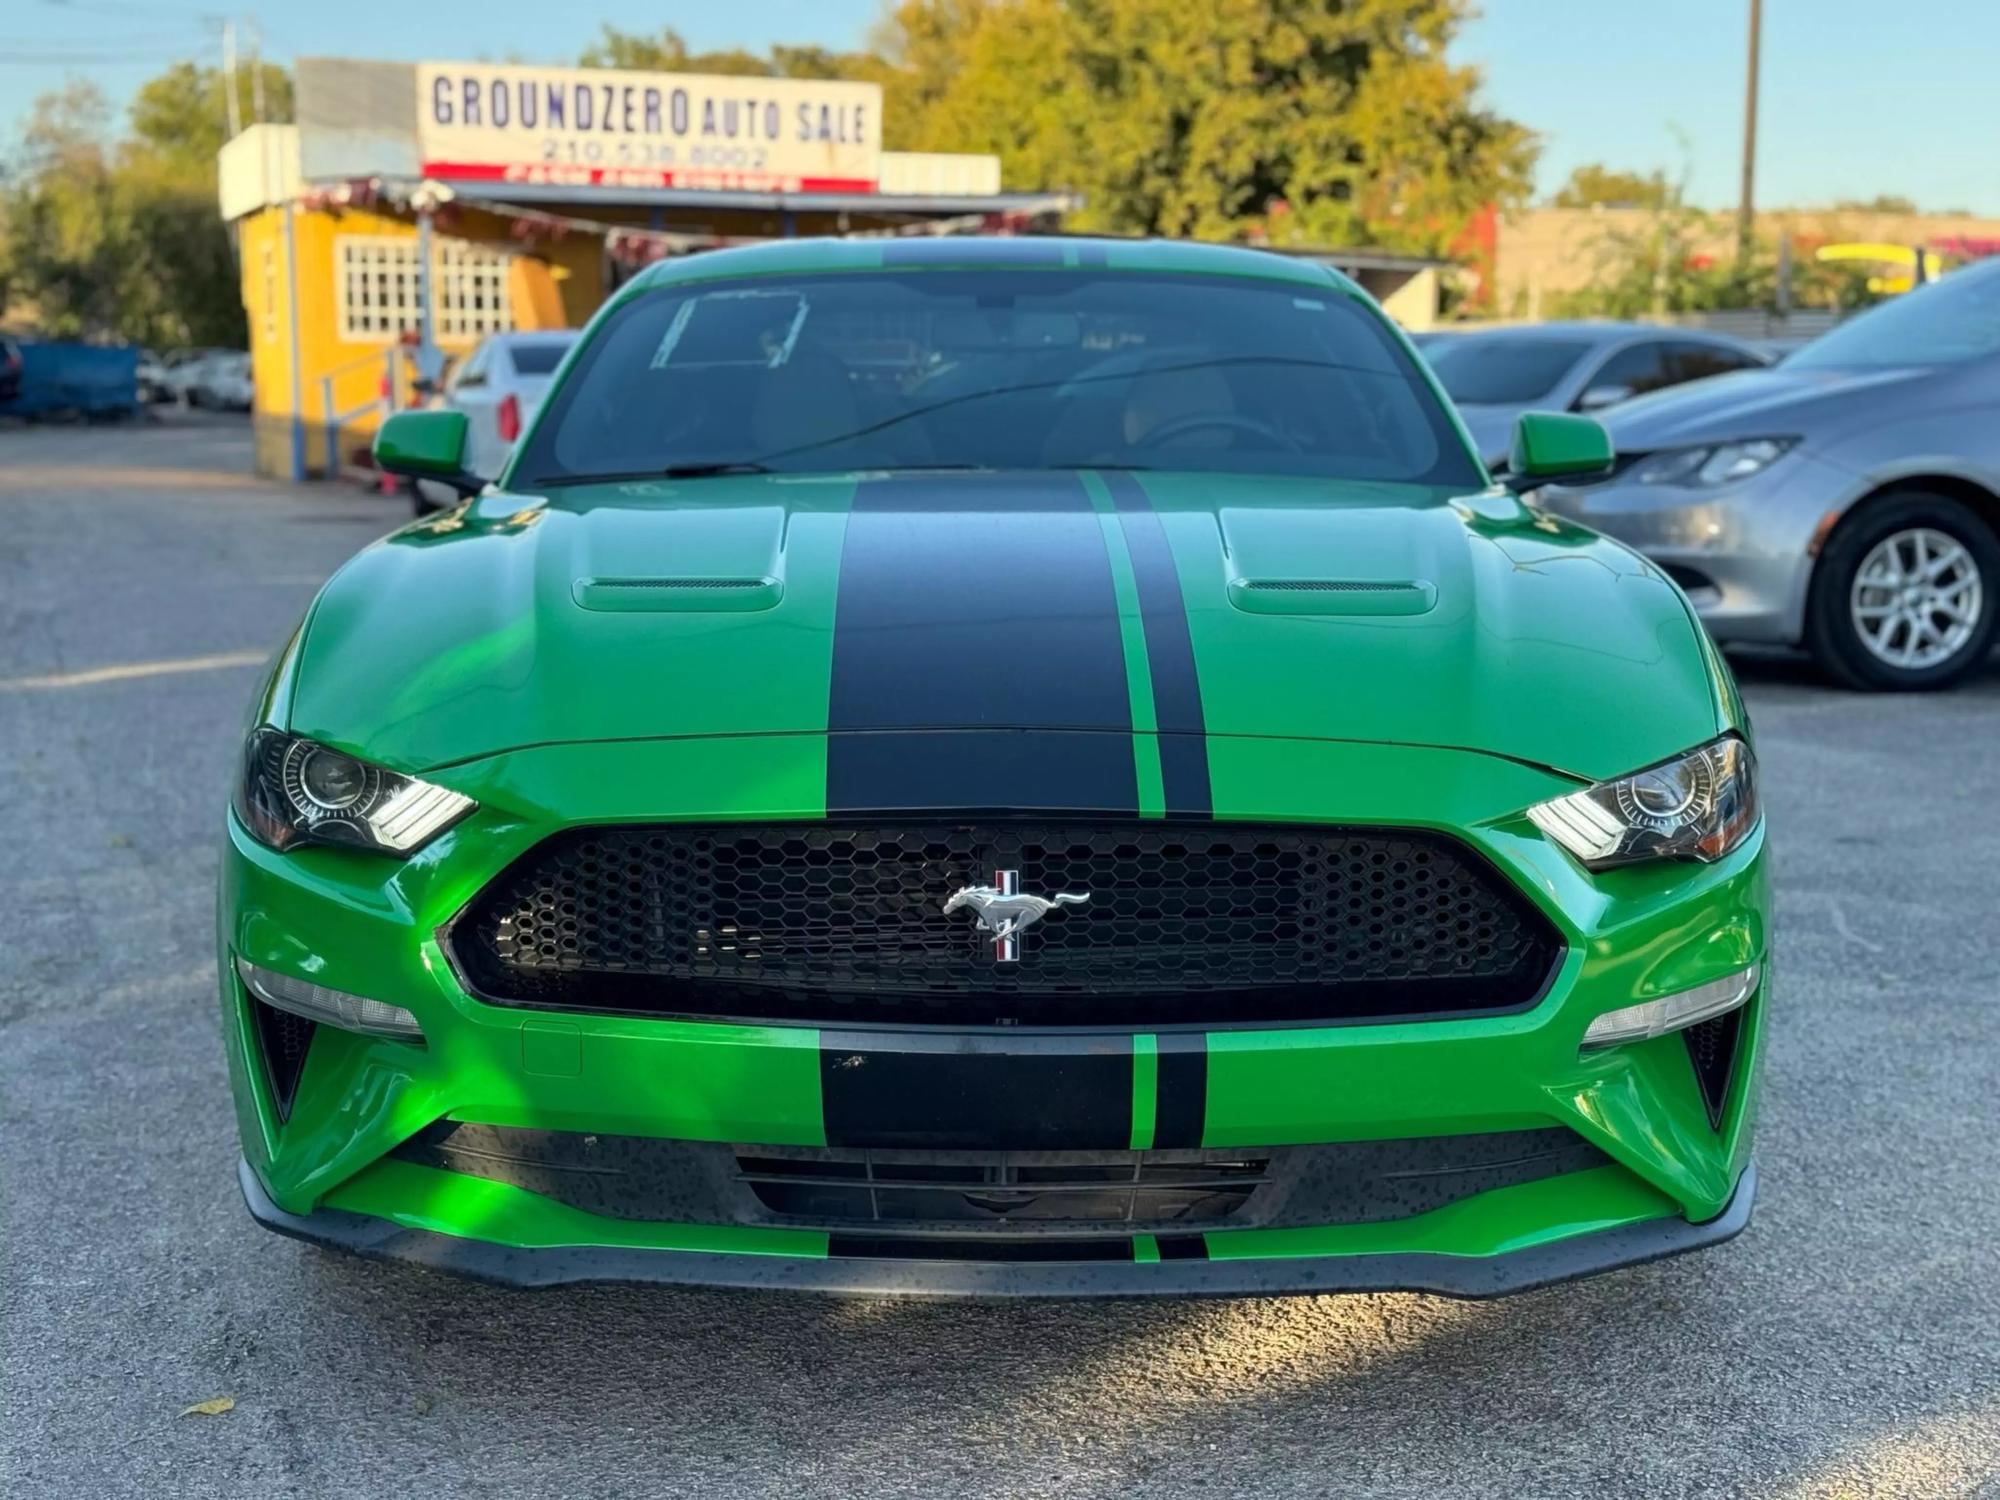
column 375, row 288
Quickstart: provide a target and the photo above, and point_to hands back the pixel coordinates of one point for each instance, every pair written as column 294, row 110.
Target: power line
column 123, row 8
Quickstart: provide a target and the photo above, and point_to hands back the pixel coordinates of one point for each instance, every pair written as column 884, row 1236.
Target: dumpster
column 59, row 377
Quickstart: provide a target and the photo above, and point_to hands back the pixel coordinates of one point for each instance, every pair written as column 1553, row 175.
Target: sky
column 1860, row 97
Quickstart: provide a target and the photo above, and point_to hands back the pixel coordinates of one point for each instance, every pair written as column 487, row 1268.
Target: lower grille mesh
column 1185, row 924
column 1014, row 1195
column 1146, row 1187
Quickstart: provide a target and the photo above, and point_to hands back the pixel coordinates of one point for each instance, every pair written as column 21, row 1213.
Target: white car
column 180, row 369
column 222, row 383
column 499, row 387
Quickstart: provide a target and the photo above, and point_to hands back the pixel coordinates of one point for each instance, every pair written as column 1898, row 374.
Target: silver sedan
column 1494, row 374
column 1847, row 500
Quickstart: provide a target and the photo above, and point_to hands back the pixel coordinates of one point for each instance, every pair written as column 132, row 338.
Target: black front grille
column 831, row 924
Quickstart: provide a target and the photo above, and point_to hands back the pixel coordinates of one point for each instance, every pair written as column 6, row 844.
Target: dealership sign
column 582, row 126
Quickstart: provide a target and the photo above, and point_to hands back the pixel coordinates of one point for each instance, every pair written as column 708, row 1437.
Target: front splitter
column 1471, row 1276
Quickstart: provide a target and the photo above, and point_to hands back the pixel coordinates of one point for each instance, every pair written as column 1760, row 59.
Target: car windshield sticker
column 733, row 328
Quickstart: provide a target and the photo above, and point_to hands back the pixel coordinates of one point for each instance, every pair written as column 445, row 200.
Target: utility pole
column 231, row 103
column 1746, row 206
column 256, row 70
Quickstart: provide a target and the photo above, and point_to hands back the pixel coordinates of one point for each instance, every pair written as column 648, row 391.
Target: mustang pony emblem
column 1003, row 910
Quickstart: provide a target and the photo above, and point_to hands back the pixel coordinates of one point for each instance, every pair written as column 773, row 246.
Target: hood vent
column 1332, row 596
column 676, row 595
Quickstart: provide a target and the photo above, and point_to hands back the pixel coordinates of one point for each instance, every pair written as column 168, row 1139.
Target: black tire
column 1831, row 632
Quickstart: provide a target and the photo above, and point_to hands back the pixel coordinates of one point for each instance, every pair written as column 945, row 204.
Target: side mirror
column 426, row 445
column 1554, row 445
column 1600, row 396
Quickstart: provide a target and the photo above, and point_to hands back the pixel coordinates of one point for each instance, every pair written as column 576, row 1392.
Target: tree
column 184, row 113
column 1302, row 121
column 122, row 239
column 1297, row 120
column 67, row 244
column 668, row 53
column 1595, row 185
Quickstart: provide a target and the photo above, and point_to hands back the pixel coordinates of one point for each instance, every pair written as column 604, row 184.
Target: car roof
column 1599, row 334
column 971, row 252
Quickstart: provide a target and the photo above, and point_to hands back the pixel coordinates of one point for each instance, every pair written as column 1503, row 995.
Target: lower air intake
column 1144, row 1187
column 998, row 1194
column 1712, row 1047
column 284, row 1040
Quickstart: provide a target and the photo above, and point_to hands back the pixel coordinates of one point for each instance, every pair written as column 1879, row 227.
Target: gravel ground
column 1849, row 1344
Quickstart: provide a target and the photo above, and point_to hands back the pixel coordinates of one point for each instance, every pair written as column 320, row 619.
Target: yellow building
column 543, row 189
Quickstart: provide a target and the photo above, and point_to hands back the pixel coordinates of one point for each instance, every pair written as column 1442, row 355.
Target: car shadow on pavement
column 1776, row 667
column 816, row 1395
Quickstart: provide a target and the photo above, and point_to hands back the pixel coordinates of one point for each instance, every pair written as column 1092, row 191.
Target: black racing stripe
column 982, row 603
column 1040, row 1094
column 1180, row 1112
column 1182, row 1247
column 1169, row 651
column 952, row 250
column 885, row 1247
column 981, row 771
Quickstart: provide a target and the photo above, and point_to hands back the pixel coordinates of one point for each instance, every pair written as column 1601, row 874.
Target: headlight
column 298, row 791
column 1695, row 806
column 1720, row 463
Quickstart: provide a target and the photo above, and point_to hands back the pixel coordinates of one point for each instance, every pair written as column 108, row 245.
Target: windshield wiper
column 710, row 470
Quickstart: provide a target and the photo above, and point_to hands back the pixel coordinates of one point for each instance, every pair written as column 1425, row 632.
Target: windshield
column 537, row 359
column 1955, row 319
column 1487, row 370
column 995, row 369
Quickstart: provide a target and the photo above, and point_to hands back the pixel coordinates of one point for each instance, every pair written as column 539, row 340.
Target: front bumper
column 328, row 1169
column 1472, row 1276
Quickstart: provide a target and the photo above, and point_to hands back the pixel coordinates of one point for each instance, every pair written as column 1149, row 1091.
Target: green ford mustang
column 1020, row 766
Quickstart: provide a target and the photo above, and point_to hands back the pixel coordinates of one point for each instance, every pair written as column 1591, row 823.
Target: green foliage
column 1595, row 185
column 1302, row 121
column 121, row 239
column 1671, row 262
column 668, row 53
column 184, row 113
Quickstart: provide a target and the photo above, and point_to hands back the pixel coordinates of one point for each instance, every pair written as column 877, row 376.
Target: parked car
column 499, row 387
column 921, row 777
column 221, row 382
column 181, row 369
column 1493, row 375
column 152, row 376
column 1847, row 500
column 11, row 364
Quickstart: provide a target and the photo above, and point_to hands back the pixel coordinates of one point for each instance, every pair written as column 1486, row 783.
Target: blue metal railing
column 387, row 400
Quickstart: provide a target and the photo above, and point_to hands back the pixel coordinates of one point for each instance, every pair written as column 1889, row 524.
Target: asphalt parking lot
column 1849, row 1344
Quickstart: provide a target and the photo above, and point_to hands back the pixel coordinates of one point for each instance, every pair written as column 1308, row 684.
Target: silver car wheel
column 1917, row 598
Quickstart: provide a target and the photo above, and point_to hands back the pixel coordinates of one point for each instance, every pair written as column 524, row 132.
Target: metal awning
column 941, row 204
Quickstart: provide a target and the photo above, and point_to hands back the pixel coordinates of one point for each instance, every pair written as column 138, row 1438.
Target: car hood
column 1231, row 605
column 1757, row 403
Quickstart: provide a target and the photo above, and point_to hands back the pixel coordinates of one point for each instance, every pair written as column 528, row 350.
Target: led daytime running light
column 1676, row 1012
column 337, row 1008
